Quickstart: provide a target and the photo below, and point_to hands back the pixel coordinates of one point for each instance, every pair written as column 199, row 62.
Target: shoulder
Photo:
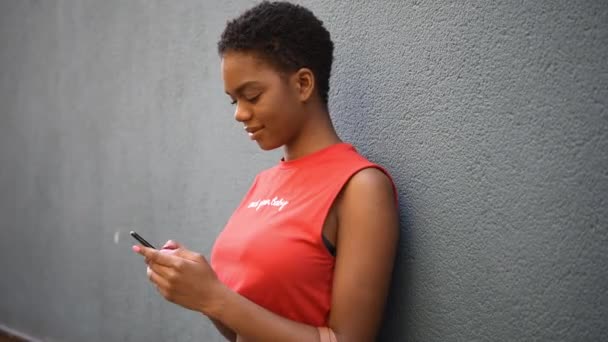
column 368, row 190
column 370, row 181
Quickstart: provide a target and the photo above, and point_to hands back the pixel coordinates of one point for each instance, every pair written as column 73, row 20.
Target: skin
column 285, row 110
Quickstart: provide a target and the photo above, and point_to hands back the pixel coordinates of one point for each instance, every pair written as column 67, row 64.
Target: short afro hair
column 286, row 35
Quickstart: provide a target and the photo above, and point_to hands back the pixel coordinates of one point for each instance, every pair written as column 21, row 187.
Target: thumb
column 171, row 245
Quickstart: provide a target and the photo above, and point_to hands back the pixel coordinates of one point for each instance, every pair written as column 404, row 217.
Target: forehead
column 240, row 67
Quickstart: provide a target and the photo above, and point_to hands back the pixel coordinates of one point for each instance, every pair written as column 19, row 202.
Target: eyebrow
column 242, row 87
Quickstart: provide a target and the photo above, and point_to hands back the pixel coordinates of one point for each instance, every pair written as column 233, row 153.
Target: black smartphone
column 141, row 240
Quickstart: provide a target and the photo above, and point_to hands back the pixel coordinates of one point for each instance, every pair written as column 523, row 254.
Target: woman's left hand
column 182, row 277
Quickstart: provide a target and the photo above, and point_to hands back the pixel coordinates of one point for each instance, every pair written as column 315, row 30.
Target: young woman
column 308, row 254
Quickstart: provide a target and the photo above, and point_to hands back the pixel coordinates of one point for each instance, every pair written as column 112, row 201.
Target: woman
column 308, row 254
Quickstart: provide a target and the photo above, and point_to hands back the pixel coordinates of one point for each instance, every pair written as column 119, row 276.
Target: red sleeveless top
column 271, row 250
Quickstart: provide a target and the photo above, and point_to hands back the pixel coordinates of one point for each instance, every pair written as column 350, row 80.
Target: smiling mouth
column 253, row 132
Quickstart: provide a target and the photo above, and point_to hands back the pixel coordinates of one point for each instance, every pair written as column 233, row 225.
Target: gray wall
column 491, row 116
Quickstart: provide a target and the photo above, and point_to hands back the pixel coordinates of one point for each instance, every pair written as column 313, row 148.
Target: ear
column 304, row 80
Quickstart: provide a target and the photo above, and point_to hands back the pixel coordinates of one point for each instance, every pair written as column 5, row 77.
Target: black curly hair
column 286, row 35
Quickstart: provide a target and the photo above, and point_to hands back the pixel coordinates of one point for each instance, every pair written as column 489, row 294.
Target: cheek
column 280, row 125
column 285, row 119
column 276, row 110
column 279, row 113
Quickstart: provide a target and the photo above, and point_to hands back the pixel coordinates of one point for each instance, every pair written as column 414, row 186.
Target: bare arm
column 367, row 237
column 225, row 331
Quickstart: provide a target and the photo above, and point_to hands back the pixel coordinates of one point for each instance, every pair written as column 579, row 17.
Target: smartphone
column 141, row 240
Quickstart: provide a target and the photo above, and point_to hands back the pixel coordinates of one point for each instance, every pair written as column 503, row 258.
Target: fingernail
column 136, row 249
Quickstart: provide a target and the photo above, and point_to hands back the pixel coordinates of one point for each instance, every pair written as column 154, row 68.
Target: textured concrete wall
column 491, row 116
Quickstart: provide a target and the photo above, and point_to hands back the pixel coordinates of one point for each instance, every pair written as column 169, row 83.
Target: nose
column 242, row 113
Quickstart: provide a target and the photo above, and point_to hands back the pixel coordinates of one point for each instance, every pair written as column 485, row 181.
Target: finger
column 139, row 249
column 163, row 271
column 158, row 280
column 188, row 254
column 154, row 256
column 162, row 251
column 162, row 285
column 171, row 245
column 165, row 293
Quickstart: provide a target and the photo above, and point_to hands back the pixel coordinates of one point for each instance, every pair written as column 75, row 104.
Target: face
column 269, row 104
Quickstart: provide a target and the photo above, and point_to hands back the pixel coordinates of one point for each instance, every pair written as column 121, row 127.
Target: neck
column 316, row 134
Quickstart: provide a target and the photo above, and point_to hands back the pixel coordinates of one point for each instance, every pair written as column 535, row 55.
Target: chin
column 268, row 146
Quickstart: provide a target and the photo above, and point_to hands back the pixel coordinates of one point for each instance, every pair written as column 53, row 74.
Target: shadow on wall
column 395, row 326
column 366, row 118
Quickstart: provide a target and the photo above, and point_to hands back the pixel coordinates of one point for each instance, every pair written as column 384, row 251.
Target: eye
column 233, row 102
column 254, row 99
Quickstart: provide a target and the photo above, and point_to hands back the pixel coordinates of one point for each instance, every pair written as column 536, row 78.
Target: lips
column 253, row 131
